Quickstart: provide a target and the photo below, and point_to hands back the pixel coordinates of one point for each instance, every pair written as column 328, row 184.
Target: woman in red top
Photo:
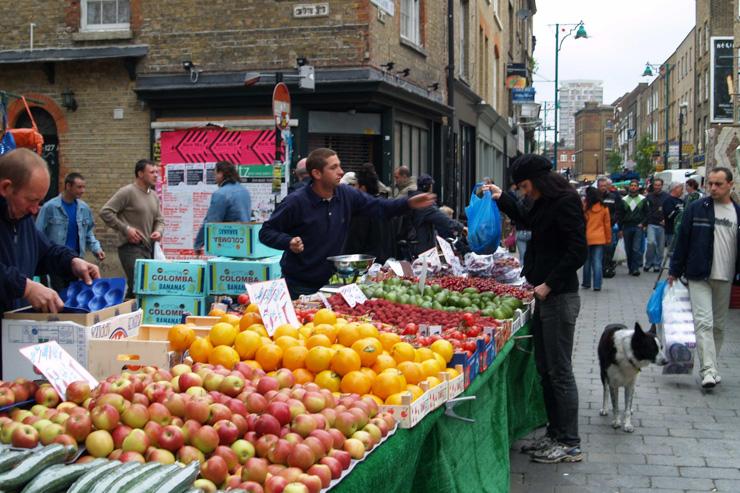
column 598, row 235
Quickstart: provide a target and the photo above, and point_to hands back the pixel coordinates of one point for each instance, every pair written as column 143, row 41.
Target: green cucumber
column 123, row 482
column 59, row 477
column 87, row 480
column 152, row 480
column 11, row 458
column 104, row 483
column 33, row 465
column 181, row 480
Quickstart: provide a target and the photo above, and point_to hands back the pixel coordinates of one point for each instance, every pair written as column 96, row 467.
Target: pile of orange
column 338, row 355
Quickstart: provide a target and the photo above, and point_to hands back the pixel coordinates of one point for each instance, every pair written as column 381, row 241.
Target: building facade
column 628, row 114
column 573, row 95
column 594, row 139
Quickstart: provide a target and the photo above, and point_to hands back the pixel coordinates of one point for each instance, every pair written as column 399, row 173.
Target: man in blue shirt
column 67, row 220
column 312, row 223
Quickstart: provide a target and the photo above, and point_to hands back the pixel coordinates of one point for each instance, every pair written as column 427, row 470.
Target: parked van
column 671, row 176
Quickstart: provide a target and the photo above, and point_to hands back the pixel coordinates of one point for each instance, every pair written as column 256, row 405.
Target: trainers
column 635, row 273
column 539, row 444
column 559, row 452
column 717, row 379
column 708, row 381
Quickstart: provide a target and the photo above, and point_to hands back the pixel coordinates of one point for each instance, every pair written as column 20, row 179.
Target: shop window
column 411, row 148
column 105, row 15
column 411, row 21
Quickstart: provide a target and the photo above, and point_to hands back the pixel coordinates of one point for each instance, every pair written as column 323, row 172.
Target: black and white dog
column 623, row 353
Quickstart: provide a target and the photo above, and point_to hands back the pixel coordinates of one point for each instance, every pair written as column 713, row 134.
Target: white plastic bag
column 158, row 252
column 678, row 330
column 620, row 254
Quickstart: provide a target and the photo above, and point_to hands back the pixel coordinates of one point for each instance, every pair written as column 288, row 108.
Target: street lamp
column 683, row 106
column 580, row 31
column 648, row 72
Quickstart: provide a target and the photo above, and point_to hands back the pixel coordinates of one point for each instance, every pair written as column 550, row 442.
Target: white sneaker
column 717, row 379
column 708, row 381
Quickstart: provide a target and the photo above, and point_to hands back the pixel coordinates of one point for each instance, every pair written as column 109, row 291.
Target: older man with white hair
column 672, row 211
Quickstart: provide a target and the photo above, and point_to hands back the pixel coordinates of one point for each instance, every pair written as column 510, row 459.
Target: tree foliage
column 644, row 157
column 613, row 161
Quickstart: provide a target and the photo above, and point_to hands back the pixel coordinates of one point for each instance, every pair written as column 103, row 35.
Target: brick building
column 594, row 129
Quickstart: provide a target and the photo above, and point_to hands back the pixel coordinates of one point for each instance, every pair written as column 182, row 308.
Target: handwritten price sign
column 59, row 368
column 273, row 300
column 353, row 295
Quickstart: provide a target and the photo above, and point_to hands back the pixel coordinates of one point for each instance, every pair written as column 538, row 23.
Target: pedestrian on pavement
column 655, row 224
column 634, row 214
column 672, row 211
column 67, row 220
column 230, row 203
column 403, row 182
column 556, row 252
column 613, row 201
column 523, row 235
column 707, row 252
column 692, row 191
column 598, row 236
column 301, row 176
column 133, row 211
column 312, row 223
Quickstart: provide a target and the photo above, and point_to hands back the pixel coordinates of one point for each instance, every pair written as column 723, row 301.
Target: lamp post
column 648, row 72
column 580, row 31
column 684, row 105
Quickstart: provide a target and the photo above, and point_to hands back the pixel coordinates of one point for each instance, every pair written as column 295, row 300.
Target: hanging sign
column 274, row 303
column 281, row 105
column 56, row 364
column 353, row 295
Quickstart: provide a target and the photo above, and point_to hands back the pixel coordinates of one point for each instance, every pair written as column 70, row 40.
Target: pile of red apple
column 247, row 429
column 20, row 390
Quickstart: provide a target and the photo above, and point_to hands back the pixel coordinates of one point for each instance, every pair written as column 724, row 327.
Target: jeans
column 553, row 325
column 655, row 246
column 633, row 247
column 609, row 249
column 669, row 243
column 594, row 262
column 710, row 302
column 127, row 254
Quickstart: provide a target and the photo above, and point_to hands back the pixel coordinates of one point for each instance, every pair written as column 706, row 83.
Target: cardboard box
column 236, row 240
column 228, row 276
column 74, row 332
column 169, row 309
column 180, row 277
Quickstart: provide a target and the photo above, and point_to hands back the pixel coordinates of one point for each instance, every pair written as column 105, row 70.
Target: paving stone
column 710, row 472
column 595, row 458
column 675, row 460
column 685, row 483
column 607, row 481
column 727, row 485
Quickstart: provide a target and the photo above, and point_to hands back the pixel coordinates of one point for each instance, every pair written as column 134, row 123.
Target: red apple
column 301, row 456
column 278, row 454
column 205, row 439
column 285, row 378
column 311, row 482
column 189, row 428
column 355, row 448
column 47, row 396
column 275, row 484
column 105, row 417
column 268, row 424
column 197, row 409
column 49, row 433
column 159, row 414
column 255, row 469
column 65, row 439
column 119, row 433
column 78, row 426
column 346, row 422
column 187, row 380
column 161, row 455
column 171, row 438
column 342, row 456
column 314, row 402
column 232, row 461
column 24, row 436
column 215, row 470
column 99, row 443
column 175, row 404
column 237, row 407
column 78, row 391
column 266, row 384
column 241, row 423
column 227, row 432
column 153, row 430
column 334, row 466
column 256, row 403
column 281, row 411
column 264, row 444
column 136, row 441
column 212, row 381
column 243, row 450
column 291, row 474
column 232, row 385
column 131, row 456
column 219, row 412
column 21, row 392
column 295, row 487
column 115, row 400
column 7, row 396
column 330, row 415
column 303, row 424
column 188, row 454
column 316, row 446
column 124, row 387
column 136, row 416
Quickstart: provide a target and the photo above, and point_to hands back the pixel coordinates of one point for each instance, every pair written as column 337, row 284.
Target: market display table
column 443, row 454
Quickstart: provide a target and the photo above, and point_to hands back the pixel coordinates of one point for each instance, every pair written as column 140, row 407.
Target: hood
column 597, row 208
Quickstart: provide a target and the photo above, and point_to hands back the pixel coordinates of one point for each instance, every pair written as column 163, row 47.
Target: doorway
column 48, row 129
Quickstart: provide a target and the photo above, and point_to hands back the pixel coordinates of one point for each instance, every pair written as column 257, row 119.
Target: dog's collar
column 634, row 364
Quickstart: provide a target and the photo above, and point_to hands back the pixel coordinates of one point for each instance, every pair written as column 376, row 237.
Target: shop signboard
column 524, row 95
column 721, row 83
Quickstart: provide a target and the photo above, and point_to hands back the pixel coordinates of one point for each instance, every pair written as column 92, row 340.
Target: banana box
column 229, row 276
column 236, row 240
column 169, row 309
column 178, row 277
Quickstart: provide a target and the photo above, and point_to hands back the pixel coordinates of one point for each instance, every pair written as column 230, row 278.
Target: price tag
column 435, row 330
column 273, row 300
column 56, row 364
column 432, row 257
column 489, row 331
column 423, row 330
column 423, row 278
column 396, row 267
column 353, row 295
column 447, row 252
column 324, row 300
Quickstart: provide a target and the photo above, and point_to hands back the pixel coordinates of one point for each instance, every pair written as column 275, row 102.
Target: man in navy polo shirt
column 312, row 223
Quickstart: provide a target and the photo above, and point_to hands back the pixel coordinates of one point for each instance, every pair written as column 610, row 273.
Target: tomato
column 243, row 299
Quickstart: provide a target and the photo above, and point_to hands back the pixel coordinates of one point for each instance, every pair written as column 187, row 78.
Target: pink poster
column 199, row 145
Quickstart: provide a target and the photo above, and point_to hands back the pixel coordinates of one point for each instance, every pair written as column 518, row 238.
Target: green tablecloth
column 442, row 454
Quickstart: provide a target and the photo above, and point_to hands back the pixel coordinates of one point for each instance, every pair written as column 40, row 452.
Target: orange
column 318, row 340
column 328, row 330
column 387, row 383
column 377, row 399
column 286, row 341
column 305, row 332
column 324, row 316
column 258, row 328
column 337, row 347
column 423, row 354
column 269, row 356
column 252, row 308
column 442, row 362
column 302, row 376
column 222, row 334
column 180, row 337
column 327, row 379
column 248, row 319
column 412, row 371
column 246, row 344
column 368, row 330
column 369, row 372
column 403, row 351
column 216, row 312
column 451, row 372
column 294, row 357
column 415, row 390
column 388, row 339
column 230, row 318
column 356, row 382
column 444, row 348
column 225, row 356
column 431, row 367
column 383, row 362
column 396, row 399
column 285, row 330
column 341, row 321
column 318, row 359
column 433, row 381
column 346, row 360
column 200, row 349
column 369, row 349
column 347, row 334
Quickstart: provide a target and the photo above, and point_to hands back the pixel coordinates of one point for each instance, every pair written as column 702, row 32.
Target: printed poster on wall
column 189, row 159
column 721, row 83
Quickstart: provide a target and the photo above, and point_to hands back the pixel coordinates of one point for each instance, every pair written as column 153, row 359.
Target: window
column 706, row 85
column 609, row 143
column 410, row 21
column 573, row 158
column 564, row 158
column 464, row 39
column 412, row 147
column 105, row 15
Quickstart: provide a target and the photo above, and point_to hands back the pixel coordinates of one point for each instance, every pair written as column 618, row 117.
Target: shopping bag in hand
column 484, row 224
column 678, row 330
column 620, row 254
column 158, row 252
column 655, row 303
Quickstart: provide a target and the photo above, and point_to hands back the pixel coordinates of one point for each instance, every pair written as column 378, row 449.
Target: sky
column 622, row 36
